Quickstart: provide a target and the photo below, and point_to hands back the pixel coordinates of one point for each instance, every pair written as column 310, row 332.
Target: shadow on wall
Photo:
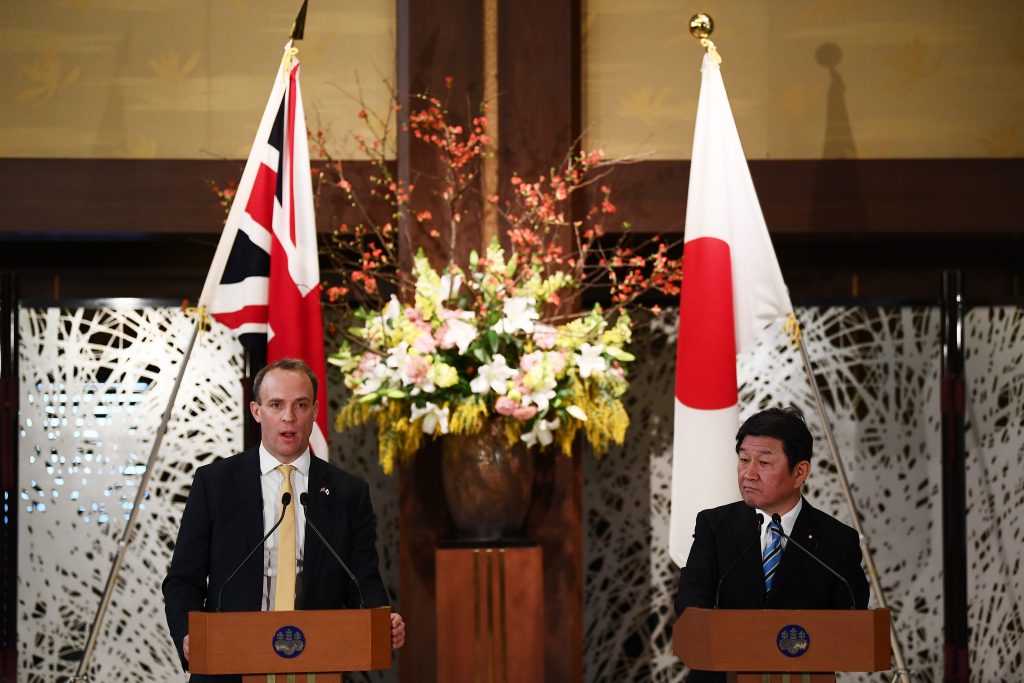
column 833, row 176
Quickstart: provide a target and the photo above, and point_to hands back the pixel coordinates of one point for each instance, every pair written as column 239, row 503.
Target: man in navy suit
column 774, row 458
column 235, row 501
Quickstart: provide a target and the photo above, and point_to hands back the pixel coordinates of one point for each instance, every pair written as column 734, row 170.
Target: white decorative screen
column 94, row 383
column 881, row 370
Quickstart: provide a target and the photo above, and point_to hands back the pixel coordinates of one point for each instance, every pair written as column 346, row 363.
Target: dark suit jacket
column 724, row 533
column 223, row 520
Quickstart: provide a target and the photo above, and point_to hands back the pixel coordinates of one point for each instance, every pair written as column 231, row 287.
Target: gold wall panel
column 810, row 79
column 179, row 78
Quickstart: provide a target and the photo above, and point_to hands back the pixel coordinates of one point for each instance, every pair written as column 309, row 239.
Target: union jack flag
column 264, row 282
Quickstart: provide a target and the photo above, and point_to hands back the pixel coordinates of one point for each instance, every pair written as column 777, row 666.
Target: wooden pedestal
column 490, row 615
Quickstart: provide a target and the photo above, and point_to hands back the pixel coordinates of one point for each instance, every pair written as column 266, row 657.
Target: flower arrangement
column 507, row 334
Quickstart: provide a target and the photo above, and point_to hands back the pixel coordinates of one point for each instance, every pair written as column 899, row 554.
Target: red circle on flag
column 706, row 355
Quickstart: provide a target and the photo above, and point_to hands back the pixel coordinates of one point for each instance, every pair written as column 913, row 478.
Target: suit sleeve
column 697, row 578
column 185, row 587
column 365, row 563
column 851, row 570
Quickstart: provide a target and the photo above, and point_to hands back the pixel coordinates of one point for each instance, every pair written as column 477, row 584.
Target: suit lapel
column 250, row 495
column 318, row 498
column 793, row 557
column 748, row 573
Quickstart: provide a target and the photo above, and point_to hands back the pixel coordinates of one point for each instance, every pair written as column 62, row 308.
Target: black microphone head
column 302, row 499
column 286, row 499
column 777, row 518
column 760, row 519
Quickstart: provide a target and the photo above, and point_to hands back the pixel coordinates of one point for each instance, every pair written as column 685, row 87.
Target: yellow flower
column 428, row 284
column 444, row 375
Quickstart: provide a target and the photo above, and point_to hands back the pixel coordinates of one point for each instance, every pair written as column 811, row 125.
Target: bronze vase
column 488, row 483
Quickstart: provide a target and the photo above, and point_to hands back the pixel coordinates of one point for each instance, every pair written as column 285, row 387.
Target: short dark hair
column 785, row 424
column 287, row 364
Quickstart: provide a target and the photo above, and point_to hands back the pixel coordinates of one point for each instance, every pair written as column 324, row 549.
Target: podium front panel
column 302, row 641
column 783, row 640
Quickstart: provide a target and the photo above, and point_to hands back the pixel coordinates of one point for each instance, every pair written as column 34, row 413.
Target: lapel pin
column 324, row 490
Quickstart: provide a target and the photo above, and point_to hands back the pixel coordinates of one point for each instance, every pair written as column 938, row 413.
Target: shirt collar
column 788, row 519
column 268, row 462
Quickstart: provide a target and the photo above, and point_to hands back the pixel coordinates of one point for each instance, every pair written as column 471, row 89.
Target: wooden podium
column 762, row 646
column 255, row 644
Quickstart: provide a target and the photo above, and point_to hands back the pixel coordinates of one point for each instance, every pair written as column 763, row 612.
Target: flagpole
column 216, row 270
column 844, row 483
column 126, row 537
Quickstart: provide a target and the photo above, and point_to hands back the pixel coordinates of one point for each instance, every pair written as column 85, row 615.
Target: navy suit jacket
column 223, row 521
column 723, row 534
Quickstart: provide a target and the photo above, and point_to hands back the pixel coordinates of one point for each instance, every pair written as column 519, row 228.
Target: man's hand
column 184, row 645
column 397, row 632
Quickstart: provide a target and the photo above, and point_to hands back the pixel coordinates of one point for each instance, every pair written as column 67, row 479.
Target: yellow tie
column 284, row 595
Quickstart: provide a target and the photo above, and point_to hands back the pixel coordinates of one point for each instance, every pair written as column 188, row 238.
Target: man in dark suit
column 235, row 501
column 774, row 458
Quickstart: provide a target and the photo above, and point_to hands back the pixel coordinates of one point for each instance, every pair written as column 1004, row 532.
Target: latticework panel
column 94, row 383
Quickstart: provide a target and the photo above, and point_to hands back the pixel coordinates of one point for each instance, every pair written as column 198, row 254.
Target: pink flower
column 505, row 406
column 557, row 362
column 425, row 343
column 544, row 336
column 524, row 413
column 416, row 369
column 415, row 316
column 367, row 363
column 531, row 360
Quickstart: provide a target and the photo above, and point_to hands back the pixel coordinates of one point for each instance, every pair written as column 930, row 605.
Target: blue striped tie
column 772, row 556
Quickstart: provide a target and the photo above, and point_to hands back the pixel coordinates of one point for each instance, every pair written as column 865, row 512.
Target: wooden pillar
column 539, row 105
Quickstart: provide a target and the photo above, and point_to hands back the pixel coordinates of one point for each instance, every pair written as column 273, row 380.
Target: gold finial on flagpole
column 701, row 26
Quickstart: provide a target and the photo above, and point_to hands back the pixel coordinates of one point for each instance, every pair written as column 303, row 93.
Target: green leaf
column 619, row 354
column 492, row 341
column 576, row 412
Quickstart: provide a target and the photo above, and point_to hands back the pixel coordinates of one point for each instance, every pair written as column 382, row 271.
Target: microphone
column 303, row 498
column 760, row 521
column 777, row 521
column 286, row 499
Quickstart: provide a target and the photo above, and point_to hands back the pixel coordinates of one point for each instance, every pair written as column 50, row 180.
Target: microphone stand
column 776, row 526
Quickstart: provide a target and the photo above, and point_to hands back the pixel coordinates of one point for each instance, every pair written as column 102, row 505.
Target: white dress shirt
column 270, row 481
column 788, row 521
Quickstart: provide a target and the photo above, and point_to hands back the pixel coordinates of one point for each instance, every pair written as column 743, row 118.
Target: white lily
column 434, row 418
column 398, row 356
column 393, row 310
column 461, row 332
column 542, row 393
column 589, row 360
column 541, row 432
column 450, row 285
column 494, row 376
column 379, row 375
column 518, row 314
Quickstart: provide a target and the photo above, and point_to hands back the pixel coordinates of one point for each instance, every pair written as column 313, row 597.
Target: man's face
column 765, row 479
column 286, row 410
